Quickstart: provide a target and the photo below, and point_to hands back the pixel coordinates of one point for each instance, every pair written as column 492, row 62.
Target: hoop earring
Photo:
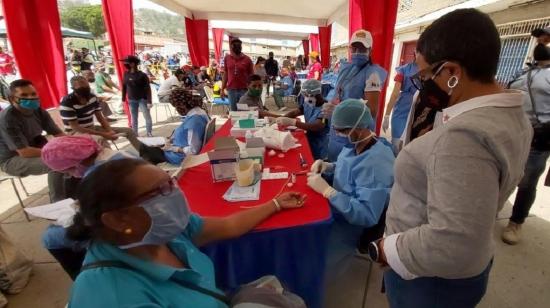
column 452, row 83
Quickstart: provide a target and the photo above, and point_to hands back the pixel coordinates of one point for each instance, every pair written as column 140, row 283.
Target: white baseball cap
column 362, row 36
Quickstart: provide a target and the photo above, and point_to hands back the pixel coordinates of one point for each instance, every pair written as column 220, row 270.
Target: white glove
column 327, row 110
column 270, row 120
column 386, row 123
column 320, row 166
column 317, row 183
column 284, row 121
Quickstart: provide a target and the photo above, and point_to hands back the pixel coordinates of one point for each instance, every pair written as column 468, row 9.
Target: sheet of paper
column 153, row 141
column 191, row 161
column 242, row 107
column 236, row 193
column 61, row 210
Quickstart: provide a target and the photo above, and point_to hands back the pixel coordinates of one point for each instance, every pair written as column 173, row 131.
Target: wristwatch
column 374, row 254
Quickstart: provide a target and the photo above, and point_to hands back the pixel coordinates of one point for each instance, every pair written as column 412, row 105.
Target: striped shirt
column 71, row 110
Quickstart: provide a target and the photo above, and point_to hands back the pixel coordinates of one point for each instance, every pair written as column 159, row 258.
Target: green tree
column 85, row 18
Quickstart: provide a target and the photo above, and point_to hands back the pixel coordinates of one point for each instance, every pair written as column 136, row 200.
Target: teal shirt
column 150, row 284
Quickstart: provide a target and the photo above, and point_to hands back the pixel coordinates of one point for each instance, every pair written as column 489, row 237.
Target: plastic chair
column 224, row 102
column 167, row 109
column 11, row 178
column 209, row 131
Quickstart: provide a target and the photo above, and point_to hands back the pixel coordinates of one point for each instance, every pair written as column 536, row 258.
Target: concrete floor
column 520, row 276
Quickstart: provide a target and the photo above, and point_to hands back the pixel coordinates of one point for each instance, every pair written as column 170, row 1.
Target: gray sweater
column 451, row 183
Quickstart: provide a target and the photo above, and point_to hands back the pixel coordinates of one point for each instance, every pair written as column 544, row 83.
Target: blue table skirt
column 295, row 255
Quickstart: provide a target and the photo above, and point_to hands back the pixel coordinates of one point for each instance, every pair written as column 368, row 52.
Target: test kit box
column 235, row 116
column 223, row 159
column 255, row 149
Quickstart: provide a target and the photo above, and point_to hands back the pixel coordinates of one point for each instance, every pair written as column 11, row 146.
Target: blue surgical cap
column 352, row 113
column 311, row 87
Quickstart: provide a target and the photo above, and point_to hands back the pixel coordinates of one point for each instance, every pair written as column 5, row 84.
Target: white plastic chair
column 213, row 102
column 209, row 131
column 6, row 177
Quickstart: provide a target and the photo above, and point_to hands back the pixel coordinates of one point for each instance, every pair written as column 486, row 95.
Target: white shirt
column 166, row 87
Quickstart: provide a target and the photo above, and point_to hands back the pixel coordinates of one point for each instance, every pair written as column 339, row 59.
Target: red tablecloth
column 205, row 196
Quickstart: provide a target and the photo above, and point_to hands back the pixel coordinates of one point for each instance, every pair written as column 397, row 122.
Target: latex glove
column 284, row 121
column 317, row 183
column 386, row 123
column 327, row 110
column 270, row 120
column 320, row 166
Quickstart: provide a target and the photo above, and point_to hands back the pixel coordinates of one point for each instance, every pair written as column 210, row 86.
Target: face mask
column 169, row 218
column 310, row 100
column 29, row 103
column 360, row 59
column 541, row 53
column 237, row 49
column 255, row 92
column 91, row 80
column 127, row 66
column 433, row 96
column 83, row 92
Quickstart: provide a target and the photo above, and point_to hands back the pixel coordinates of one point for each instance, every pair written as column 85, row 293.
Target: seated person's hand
column 109, row 135
column 289, row 200
column 284, row 121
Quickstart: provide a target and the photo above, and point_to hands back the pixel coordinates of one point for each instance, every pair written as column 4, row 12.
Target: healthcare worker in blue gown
column 362, row 178
column 400, row 103
column 315, row 125
column 358, row 79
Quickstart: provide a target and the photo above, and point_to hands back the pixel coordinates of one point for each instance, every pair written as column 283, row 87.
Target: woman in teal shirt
column 143, row 239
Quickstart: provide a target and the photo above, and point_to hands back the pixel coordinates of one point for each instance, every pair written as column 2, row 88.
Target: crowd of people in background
column 397, row 201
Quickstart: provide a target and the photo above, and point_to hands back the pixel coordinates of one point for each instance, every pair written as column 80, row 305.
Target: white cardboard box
column 223, row 159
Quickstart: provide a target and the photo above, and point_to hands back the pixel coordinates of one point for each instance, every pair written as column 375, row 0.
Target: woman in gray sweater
column 451, row 182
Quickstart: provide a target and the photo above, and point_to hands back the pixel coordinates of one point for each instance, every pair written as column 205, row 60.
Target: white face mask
column 310, row 100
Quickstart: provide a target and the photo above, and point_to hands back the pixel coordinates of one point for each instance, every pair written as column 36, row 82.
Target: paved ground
column 520, row 276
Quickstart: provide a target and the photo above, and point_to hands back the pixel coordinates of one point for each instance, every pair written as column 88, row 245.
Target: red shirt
column 4, row 59
column 316, row 67
column 238, row 70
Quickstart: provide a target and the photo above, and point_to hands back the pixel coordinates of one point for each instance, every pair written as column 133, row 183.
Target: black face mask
column 432, row 96
column 83, row 92
column 237, row 49
column 541, row 53
column 91, row 80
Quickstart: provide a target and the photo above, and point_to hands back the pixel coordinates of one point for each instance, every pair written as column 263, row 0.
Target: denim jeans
column 68, row 253
column 527, row 187
column 234, row 97
column 135, row 106
column 435, row 292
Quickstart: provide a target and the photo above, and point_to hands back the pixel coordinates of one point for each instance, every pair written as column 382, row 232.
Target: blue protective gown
column 363, row 183
column 403, row 104
column 189, row 134
column 352, row 83
column 318, row 141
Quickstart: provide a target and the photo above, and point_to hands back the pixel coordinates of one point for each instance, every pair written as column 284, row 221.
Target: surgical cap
column 65, row 152
column 352, row 113
column 311, row 87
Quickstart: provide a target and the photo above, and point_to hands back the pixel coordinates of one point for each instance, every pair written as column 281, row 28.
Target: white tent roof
column 299, row 12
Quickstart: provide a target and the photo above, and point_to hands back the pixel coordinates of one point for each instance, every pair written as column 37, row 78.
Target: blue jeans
column 68, row 253
column 527, row 187
column 234, row 97
column 434, row 292
column 135, row 106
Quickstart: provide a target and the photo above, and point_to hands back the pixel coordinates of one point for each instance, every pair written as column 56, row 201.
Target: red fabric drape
column 314, row 39
column 34, row 29
column 378, row 17
column 217, row 36
column 118, row 16
column 197, row 40
column 305, row 45
column 324, row 39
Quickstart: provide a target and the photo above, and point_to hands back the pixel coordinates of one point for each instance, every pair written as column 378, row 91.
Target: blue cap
column 352, row 113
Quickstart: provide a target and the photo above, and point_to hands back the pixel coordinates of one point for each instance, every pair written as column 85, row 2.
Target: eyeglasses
column 163, row 189
column 419, row 78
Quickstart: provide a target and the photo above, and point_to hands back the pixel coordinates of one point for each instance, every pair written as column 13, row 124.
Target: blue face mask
column 169, row 218
column 359, row 59
column 29, row 103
